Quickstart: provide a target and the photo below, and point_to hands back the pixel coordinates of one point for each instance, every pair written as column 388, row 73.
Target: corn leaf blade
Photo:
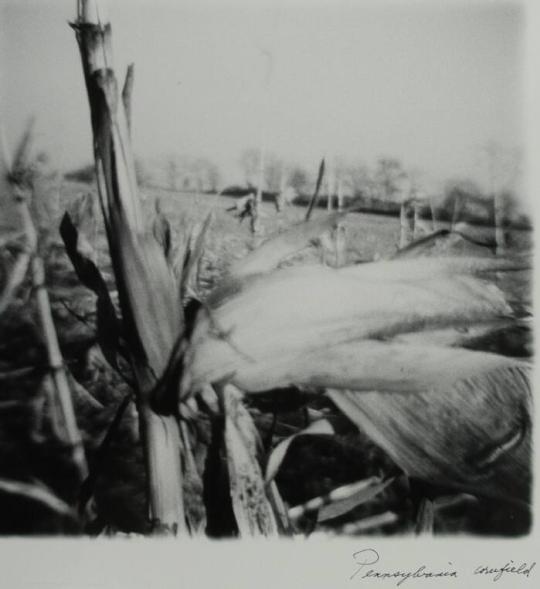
column 274, row 250
column 275, row 460
column 269, row 319
column 474, row 436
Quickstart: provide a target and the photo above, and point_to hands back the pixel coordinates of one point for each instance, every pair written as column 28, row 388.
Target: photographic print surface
column 265, row 271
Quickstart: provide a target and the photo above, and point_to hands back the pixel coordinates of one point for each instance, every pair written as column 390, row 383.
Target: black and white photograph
column 266, row 275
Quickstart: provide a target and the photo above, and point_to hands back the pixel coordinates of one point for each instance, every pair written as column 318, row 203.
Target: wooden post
column 341, row 245
column 151, row 309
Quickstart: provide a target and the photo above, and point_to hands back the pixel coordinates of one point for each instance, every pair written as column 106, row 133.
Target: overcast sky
column 428, row 83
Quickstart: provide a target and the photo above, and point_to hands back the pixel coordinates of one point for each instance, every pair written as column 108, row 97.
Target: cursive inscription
column 365, row 559
column 509, row 568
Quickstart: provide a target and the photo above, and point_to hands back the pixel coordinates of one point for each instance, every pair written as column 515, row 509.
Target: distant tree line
column 381, row 187
column 177, row 173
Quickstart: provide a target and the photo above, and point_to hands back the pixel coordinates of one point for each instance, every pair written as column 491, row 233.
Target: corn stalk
column 340, row 194
column 330, row 190
column 499, row 220
column 405, row 224
column 255, row 215
column 458, row 205
column 56, row 365
column 433, row 213
column 280, row 198
column 149, row 299
column 19, row 176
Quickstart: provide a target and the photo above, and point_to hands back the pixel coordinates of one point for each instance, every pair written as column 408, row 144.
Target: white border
column 163, row 564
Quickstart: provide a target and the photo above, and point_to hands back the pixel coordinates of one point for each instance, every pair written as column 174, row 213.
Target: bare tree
column 172, row 171
column 274, row 173
column 388, row 176
column 213, row 175
column 502, row 168
column 299, row 179
column 362, row 180
column 249, row 162
column 330, row 187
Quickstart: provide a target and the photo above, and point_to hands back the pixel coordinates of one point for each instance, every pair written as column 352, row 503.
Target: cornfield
column 184, row 383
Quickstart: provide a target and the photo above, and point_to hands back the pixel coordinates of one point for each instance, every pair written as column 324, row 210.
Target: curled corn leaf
column 251, row 507
column 340, row 500
column 349, row 497
column 38, row 493
column 275, row 460
column 295, row 313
